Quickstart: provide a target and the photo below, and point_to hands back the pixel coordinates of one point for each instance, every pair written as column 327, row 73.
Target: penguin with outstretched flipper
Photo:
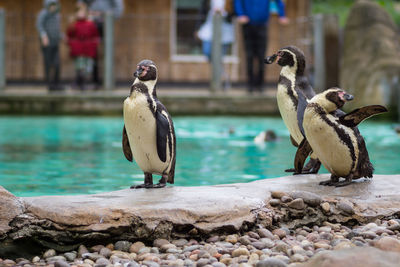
column 335, row 140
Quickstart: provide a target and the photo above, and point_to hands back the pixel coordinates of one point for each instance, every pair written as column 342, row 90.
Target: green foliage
column 342, row 8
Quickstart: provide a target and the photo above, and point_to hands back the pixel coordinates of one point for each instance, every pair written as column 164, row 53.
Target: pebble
column 343, row 245
column 298, row 258
column 56, row 258
column 36, row 259
column 278, row 194
column 309, row 198
column 233, row 239
column 321, row 244
column 160, row 242
column 70, row 256
column 333, row 226
column 191, row 248
column 369, row 234
column 122, row 245
column 326, row 207
column 286, row 199
column 96, row 248
column 262, row 232
column 281, row 233
column 388, row 244
column 274, row 202
column 297, row 204
column 244, row 240
column 240, row 251
column 82, row 250
column 49, row 253
column 135, row 247
column 324, row 229
column 346, row 206
column 181, row 242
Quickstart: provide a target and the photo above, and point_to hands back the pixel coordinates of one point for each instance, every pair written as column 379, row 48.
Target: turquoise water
column 82, row 155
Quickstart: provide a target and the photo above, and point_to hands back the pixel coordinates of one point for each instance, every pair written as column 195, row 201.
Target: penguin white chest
column 327, row 144
column 288, row 112
column 141, row 128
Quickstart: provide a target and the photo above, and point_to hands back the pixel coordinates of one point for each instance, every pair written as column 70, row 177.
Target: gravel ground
column 260, row 248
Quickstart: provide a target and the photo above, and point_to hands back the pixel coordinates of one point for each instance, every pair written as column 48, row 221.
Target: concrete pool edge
column 62, row 222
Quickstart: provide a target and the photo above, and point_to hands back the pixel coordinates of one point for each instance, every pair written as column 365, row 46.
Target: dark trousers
column 255, row 42
column 51, row 58
column 95, row 72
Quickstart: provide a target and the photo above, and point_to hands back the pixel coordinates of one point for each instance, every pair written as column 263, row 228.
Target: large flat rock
column 57, row 221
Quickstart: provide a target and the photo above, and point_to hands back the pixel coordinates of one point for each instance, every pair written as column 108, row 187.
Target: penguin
column 148, row 135
column 292, row 81
column 335, row 140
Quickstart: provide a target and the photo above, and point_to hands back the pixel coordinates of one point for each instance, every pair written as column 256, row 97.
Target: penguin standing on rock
column 148, row 135
column 292, row 82
column 335, row 140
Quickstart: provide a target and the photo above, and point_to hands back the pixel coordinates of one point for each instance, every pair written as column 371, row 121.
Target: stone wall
column 370, row 67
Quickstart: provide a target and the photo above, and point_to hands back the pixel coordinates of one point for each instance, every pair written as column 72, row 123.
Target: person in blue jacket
column 254, row 16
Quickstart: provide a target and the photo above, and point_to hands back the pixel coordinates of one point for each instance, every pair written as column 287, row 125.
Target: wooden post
column 2, row 49
column 332, row 50
column 398, row 99
column 319, row 53
column 108, row 82
column 216, row 54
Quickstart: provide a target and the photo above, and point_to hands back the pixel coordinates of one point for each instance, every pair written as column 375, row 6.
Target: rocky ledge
column 289, row 207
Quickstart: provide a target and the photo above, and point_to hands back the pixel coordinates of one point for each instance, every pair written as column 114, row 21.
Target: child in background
column 83, row 39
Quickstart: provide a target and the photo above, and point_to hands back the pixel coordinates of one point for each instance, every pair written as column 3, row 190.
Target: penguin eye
column 280, row 53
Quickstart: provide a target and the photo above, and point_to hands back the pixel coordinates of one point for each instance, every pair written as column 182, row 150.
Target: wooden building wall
column 144, row 31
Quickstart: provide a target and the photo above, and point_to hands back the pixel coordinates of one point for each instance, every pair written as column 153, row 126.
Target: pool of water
column 82, row 155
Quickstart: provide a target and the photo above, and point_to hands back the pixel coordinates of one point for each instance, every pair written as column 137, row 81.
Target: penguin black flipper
column 162, row 134
column 302, row 153
column 126, row 146
column 301, row 107
column 356, row 116
column 305, row 87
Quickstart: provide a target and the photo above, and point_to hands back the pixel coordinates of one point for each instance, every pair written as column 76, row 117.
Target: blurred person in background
column 97, row 11
column 253, row 15
column 83, row 39
column 205, row 31
column 48, row 26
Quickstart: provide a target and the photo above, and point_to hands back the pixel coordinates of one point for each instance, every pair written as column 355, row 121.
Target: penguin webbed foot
column 327, row 182
column 142, row 186
column 148, row 182
column 347, row 181
column 332, row 181
column 290, row 170
column 148, row 186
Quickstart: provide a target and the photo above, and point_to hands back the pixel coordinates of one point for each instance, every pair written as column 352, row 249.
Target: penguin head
column 289, row 56
column 146, row 70
column 332, row 99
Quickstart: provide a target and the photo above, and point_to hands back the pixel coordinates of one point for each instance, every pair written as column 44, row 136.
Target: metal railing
column 2, row 50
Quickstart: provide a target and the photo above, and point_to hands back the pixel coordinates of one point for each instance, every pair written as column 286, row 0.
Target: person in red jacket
column 83, row 39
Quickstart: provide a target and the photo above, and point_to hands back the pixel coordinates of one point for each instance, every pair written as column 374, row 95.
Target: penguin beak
column 348, row 97
column 137, row 73
column 270, row 59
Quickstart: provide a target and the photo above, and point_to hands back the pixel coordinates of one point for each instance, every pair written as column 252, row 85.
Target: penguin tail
column 171, row 174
